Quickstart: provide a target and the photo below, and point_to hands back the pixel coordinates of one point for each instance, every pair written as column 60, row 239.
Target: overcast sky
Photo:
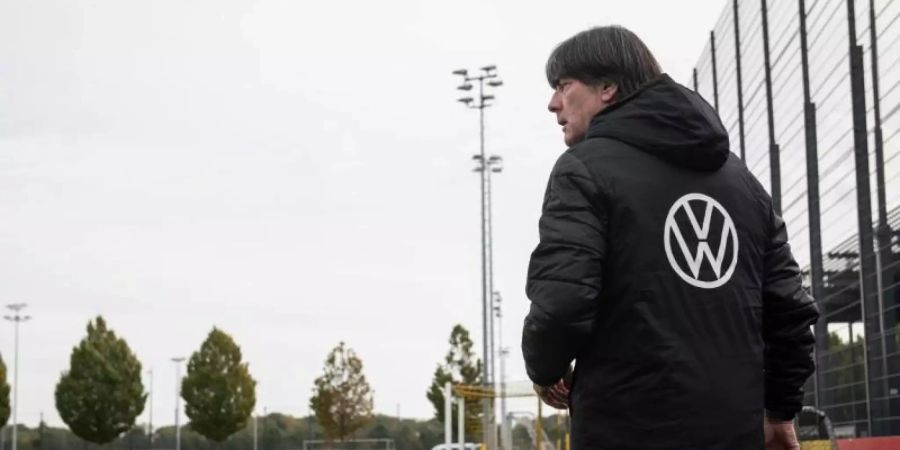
column 296, row 173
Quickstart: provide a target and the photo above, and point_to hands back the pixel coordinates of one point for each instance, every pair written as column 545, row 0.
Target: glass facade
column 809, row 91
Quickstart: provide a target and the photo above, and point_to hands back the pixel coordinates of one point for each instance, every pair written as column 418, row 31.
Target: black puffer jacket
column 665, row 274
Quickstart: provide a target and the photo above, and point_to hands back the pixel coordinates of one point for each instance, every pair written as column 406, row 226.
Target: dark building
column 810, row 92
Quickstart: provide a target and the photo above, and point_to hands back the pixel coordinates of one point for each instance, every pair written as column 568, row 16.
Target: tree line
column 101, row 395
column 275, row 432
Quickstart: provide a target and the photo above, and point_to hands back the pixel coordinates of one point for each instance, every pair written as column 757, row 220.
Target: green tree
column 460, row 366
column 4, row 395
column 271, row 431
column 218, row 391
column 406, row 438
column 342, row 398
column 428, row 437
column 845, row 367
column 379, row 431
column 101, row 394
column 521, row 438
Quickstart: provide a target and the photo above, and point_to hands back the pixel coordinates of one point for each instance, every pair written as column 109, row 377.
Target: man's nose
column 554, row 105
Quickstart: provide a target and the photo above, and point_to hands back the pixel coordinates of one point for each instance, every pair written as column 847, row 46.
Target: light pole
column 16, row 318
column 177, row 361
column 264, row 421
column 150, row 411
column 505, row 435
column 486, row 74
column 494, row 165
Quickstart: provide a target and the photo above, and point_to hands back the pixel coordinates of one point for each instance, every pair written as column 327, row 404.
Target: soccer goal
column 350, row 444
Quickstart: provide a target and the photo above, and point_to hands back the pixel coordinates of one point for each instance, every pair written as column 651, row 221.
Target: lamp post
column 264, row 423
column 150, row 410
column 177, row 361
column 487, row 74
column 16, row 318
column 494, row 165
column 505, row 435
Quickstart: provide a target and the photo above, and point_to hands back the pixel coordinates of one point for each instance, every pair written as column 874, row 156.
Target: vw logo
column 715, row 224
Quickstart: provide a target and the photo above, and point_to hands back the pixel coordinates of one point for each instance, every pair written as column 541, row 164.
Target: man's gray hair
column 604, row 55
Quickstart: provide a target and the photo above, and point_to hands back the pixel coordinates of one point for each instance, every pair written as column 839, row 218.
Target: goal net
column 350, row 444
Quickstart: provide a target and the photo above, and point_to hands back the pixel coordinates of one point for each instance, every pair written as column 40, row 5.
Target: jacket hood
column 668, row 121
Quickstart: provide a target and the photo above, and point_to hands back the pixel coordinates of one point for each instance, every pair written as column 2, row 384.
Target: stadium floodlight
column 496, row 163
column 480, row 166
column 480, row 102
column 177, row 360
column 16, row 318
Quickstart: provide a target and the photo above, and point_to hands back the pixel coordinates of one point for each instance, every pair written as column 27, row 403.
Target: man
column 662, row 269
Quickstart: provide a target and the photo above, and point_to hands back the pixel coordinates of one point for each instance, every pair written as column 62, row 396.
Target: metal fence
column 809, row 91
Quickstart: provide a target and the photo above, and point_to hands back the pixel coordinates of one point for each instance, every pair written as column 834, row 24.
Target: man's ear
column 608, row 92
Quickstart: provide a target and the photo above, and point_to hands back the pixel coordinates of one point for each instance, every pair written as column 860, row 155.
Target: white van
column 455, row 446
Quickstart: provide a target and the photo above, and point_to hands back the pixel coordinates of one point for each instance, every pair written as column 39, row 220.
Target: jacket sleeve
column 788, row 314
column 565, row 273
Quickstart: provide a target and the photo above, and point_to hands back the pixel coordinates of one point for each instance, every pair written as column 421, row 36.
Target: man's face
column 575, row 104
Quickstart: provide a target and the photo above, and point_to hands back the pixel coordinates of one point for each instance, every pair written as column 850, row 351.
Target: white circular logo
column 694, row 259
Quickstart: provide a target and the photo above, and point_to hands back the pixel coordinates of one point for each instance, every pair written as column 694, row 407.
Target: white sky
column 296, row 173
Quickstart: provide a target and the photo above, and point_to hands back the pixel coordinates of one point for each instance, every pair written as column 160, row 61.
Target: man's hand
column 780, row 435
column 556, row 396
